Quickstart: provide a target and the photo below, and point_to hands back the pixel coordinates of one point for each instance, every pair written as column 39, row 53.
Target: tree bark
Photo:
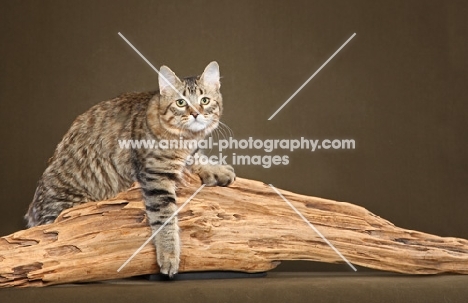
column 244, row 227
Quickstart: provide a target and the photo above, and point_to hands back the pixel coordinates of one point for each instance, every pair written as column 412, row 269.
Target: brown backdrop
column 399, row 88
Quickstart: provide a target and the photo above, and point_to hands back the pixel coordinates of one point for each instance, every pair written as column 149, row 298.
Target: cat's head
column 190, row 107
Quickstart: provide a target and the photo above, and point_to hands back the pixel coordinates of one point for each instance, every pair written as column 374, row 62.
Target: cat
column 89, row 165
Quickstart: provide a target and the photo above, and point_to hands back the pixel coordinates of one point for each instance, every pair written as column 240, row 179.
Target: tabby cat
column 89, row 165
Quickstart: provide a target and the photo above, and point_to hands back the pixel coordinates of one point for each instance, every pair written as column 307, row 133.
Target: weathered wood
column 244, row 227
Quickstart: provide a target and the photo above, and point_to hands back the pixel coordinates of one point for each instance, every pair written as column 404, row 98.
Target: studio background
column 399, row 89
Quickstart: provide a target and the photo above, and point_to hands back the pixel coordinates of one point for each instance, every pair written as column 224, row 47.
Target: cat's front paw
column 168, row 264
column 168, row 249
column 216, row 175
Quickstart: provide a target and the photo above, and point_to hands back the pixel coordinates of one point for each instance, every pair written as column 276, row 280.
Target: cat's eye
column 205, row 100
column 181, row 103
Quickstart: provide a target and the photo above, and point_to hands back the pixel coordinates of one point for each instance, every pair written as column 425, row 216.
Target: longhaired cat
column 89, row 165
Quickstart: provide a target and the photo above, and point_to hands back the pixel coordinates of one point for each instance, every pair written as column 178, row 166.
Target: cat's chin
column 196, row 127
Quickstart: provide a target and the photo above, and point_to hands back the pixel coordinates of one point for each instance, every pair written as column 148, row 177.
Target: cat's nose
column 194, row 114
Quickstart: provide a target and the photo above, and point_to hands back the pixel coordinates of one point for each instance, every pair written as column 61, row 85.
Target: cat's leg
column 160, row 203
column 214, row 174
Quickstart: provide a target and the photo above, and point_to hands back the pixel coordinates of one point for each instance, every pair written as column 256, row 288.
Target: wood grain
column 245, row 227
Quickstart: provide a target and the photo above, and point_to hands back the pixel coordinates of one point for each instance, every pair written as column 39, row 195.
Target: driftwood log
column 244, row 227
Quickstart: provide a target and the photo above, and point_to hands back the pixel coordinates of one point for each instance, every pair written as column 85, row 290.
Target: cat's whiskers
column 224, row 126
column 231, row 132
column 220, row 134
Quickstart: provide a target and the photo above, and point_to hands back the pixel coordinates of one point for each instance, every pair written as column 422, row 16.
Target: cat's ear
column 166, row 79
column 210, row 76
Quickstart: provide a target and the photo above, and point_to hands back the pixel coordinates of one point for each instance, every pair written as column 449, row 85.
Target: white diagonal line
column 156, row 70
column 161, row 227
column 311, row 77
column 315, row 229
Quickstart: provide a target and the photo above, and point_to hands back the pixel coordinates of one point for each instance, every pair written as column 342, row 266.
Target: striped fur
column 89, row 165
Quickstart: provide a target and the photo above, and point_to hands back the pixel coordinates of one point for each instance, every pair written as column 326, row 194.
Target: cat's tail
column 48, row 203
column 32, row 216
